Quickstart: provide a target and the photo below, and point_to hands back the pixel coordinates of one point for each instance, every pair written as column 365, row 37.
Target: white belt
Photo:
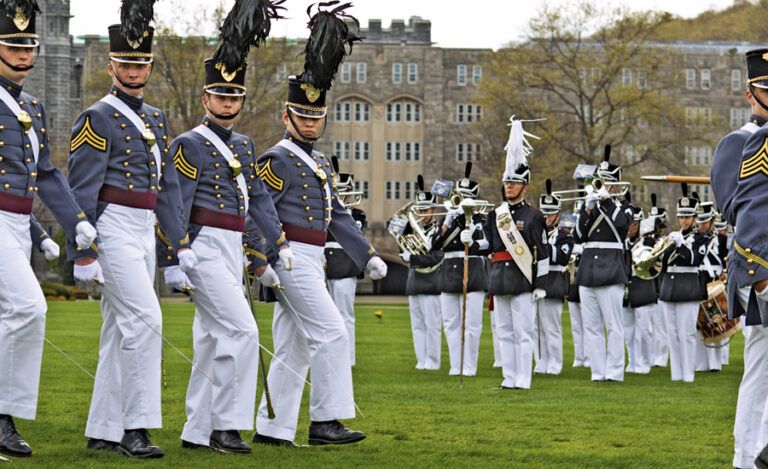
column 458, row 255
column 556, row 268
column 333, row 245
column 680, row 269
column 603, row 245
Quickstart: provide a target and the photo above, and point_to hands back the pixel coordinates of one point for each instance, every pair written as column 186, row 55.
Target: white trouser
column 225, row 338
column 515, row 319
column 637, row 334
column 660, row 343
column 707, row 358
column 342, row 291
column 681, row 333
column 601, row 308
column 577, row 330
column 548, row 331
column 309, row 335
column 22, row 319
column 747, row 428
column 451, row 305
column 725, row 353
column 126, row 393
column 426, row 329
column 495, row 340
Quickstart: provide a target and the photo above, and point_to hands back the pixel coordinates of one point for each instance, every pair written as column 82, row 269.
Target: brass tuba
column 646, row 260
column 414, row 241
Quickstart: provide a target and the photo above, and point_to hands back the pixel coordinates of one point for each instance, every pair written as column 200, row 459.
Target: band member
column 659, row 341
column 574, row 303
column 601, row 276
column 124, row 179
column 723, row 247
column 308, row 330
column 726, row 176
column 423, row 287
column 340, row 270
column 25, row 169
column 549, row 359
column 681, row 289
column 641, row 299
column 708, row 358
column 457, row 232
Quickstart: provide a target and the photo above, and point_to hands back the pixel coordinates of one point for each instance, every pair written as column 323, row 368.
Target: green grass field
column 415, row 418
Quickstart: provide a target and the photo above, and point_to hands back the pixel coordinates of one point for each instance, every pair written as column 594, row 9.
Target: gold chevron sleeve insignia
column 88, row 136
column 183, row 166
column 757, row 163
column 269, row 177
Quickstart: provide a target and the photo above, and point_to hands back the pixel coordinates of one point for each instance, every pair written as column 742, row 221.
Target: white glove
column 89, row 273
column 187, row 260
column 538, row 294
column 376, row 268
column 591, row 200
column 451, row 216
column 603, row 193
column 578, row 249
column 286, row 258
column 677, row 237
column 466, row 236
column 50, row 249
column 405, row 256
column 85, row 235
column 762, row 295
column 176, row 278
column 270, row 279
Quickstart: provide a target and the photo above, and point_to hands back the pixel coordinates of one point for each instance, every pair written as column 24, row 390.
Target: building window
column 281, row 73
column 362, row 151
column 739, row 116
column 698, row 155
column 642, row 79
column 396, row 191
column 388, row 187
column 477, row 74
column 362, row 72
column 626, row 76
column 346, row 73
column 461, row 75
column 736, row 84
column 403, row 110
column 413, row 73
column 706, row 78
column 342, row 150
column 467, row 152
column 397, row 73
column 352, row 109
column 407, row 191
column 690, row 78
column 362, row 186
column 394, row 151
column 468, row 113
column 702, row 189
column 698, row 116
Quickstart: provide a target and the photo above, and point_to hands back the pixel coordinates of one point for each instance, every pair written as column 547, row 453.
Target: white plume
column 518, row 148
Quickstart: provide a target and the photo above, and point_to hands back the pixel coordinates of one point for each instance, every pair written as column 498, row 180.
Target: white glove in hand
column 286, row 258
column 466, row 236
column 578, row 249
column 269, row 278
column 762, row 295
column 591, row 200
column 405, row 256
column 50, row 249
column 89, row 273
column 677, row 237
column 451, row 216
column 176, row 278
column 85, row 235
column 538, row 294
column 187, row 259
column 603, row 193
column 376, row 268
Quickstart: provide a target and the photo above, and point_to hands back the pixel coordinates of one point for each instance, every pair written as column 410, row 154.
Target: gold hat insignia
column 765, row 56
column 227, row 76
column 20, row 20
column 313, row 94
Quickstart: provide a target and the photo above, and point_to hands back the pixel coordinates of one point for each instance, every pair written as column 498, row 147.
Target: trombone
column 573, row 195
column 456, row 201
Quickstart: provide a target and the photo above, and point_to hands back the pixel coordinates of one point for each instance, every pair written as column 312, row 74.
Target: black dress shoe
column 136, row 444
column 11, row 443
column 97, row 444
column 228, row 441
column 189, row 445
column 332, row 433
column 504, row 388
column 761, row 461
column 271, row 441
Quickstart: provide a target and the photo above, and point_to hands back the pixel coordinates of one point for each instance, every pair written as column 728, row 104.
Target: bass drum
column 713, row 325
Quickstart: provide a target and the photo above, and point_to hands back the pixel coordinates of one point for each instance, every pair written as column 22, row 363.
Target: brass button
column 213, row 153
column 125, row 163
column 304, row 197
column 130, row 187
column 42, row 130
column 307, row 208
column 216, row 187
column 748, row 250
column 122, row 126
column 115, row 115
column 249, row 151
column 170, row 258
column 303, row 175
column 27, row 145
column 31, row 189
column 217, row 165
column 127, row 151
column 156, row 114
column 6, row 186
column 310, row 218
column 218, row 196
column 231, row 146
column 305, row 186
column 221, row 205
column 143, row 115
column 160, row 125
column 2, row 171
column 242, row 197
column 127, row 138
column 242, row 208
column 207, row 143
column 216, row 177
column 28, row 160
column 750, row 261
column 751, row 272
column 154, row 175
column 152, row 188
column 1, row 158
column 152, row 163
column 127, row 175
column 33, row 174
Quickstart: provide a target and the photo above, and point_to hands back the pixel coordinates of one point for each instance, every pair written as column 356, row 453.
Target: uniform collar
column 12, row 87
column 688, row 231
column 517, row 205
column 132, row 101
column 306, row 146
column 757, row 120
column 223, row 132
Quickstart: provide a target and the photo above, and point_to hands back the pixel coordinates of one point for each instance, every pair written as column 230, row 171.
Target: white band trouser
column 451, row 305
column 707, row 358
column 309, row 335
column 577, row 330
column 601, row 308
column 426, row 329
column 638, row 336
column 659, row 341
column 126, row 392
column 496, row 343
column 549, row 334
column 342, row 291
column 225, row 339
column 22, row 319
column 681, row 333
column 515, row 315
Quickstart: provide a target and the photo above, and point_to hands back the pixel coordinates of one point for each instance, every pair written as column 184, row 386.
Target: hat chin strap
column 298, row 131
column 131, row 86
column 752, row 91
column 224, row 117
column 17, row 68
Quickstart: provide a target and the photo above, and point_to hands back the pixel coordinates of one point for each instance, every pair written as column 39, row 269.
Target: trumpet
column 573, row 195
column 456, row 201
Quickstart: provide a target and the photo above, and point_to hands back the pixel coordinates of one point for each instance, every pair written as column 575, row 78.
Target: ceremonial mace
column 467, row 205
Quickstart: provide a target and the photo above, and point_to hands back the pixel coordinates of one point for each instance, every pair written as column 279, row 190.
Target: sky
column 455, row 23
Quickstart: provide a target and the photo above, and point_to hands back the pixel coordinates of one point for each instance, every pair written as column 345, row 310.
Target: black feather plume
column 607, row 156
column 684, row 187
column 549, row 186
column 695, row 195
column 335, row 163
column 420, row 182
column 25, row 7
column 135, row 16
column 653, row 199
column 247, row 25
column 468, row 169
column 628, row 197
column 331, row 32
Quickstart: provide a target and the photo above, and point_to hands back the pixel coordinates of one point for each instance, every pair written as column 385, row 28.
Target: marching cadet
column 456, row 233
column 124, row 178
column 340, row 270
column 519, row 265
column 659, row 341
column 708, row 358
column 601, row 276
column 25, row 169
column 641, row 300
column 681, row 290
column 580, row 358
column 550, row 308
column 726, row 176
column 308, row 330
column 423, row 287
